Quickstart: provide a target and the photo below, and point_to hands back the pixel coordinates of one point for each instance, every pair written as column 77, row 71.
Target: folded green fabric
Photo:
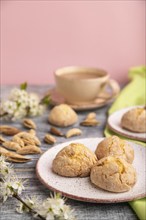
column 133, row 94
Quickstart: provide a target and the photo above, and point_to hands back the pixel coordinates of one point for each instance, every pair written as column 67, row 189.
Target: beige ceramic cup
column 82, row 84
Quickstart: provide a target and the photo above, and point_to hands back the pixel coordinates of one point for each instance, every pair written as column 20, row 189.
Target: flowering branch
column 53, row 208
column 21, row 104
column 27, row 206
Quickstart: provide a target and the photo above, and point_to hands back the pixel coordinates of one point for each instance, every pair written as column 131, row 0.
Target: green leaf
column 46, row 100
column 23, row 86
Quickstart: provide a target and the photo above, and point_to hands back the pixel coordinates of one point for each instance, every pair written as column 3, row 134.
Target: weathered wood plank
column 84, row 211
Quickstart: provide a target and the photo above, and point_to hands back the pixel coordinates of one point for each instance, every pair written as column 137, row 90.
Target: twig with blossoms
column 27, row 207
column 53, row 208
column 5, row 167
column 21, row 104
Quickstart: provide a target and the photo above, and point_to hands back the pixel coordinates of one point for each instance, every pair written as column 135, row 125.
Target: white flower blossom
column 50, row 216
column 33, row 111
column 9, row 107
column 18, row 187
column 41, row 109
column 52, row 205
column 55, row 208
column 11, row 186
column 32, row 202
column 21, row 104
column 18, row 94
column 22, row 208
column 5, row 167
column 34, row 97
column 67, row 213
column 20, row 113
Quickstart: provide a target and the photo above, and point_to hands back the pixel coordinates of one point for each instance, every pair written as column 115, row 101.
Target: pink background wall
column 39, row 36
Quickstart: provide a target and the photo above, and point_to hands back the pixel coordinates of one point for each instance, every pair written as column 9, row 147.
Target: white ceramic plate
column 81, row 188
column 114, row 122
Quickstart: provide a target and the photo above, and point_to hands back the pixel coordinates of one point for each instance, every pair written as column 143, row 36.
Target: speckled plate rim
column 114, row 124
column 88, row 199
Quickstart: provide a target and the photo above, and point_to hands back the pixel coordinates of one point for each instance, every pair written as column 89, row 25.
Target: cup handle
column 115, row 87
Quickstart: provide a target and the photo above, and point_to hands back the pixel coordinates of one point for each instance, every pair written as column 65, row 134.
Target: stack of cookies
column 110, row 167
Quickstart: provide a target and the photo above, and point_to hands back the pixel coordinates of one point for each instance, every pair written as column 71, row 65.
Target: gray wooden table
column 83, row 210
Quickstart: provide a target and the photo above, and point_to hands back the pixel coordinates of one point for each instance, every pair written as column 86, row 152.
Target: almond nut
column 49, row 139
column 8, row 130
column 31, row 149
column 73, row 132
column 2, row 139
column 56, row 132
column 11, row 145
column 28, row 123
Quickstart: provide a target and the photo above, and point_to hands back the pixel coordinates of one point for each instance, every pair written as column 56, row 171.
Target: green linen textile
column 133, row 94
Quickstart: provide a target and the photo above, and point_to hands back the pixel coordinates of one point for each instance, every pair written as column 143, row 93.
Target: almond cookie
column 62, row 115
column 74, row 160
column 113, row 174
column 114, row 146
column 135, row 120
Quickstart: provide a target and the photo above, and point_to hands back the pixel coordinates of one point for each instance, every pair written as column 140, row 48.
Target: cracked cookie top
column 135, row 120
column 74, row 160
column 113, row 174
column 114, row 146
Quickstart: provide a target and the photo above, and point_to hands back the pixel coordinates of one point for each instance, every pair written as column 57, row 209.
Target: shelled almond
column 90, row 120
column 73, row 132
column 14, row 157
column 30, row 149
column 28, row 123
column 49, row 139
column 9, row 130
column 10, row 145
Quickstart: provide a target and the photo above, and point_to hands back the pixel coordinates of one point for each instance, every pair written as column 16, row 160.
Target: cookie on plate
column 114, row 146
column 74, row 160
column 113, row 174
column 62, row 115
column 135, row 120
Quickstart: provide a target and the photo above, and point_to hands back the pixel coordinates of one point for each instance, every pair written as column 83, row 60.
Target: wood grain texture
column 83, row 210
